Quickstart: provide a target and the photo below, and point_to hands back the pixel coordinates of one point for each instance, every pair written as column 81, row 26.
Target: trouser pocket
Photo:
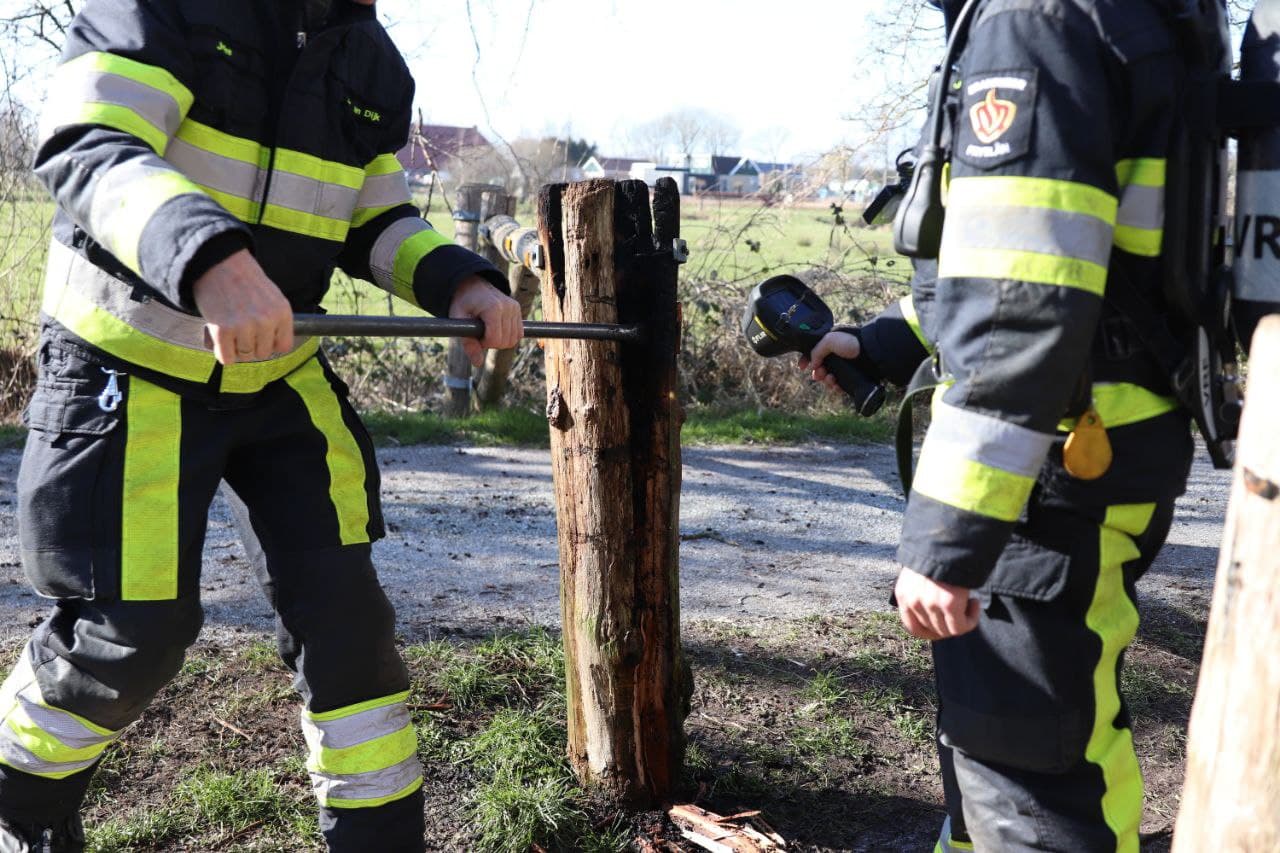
column 69, row 463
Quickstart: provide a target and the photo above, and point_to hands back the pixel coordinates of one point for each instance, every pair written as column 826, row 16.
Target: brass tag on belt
column 1087, row 454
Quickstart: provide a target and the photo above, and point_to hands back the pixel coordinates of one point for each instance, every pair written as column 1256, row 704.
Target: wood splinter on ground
column 745, row 832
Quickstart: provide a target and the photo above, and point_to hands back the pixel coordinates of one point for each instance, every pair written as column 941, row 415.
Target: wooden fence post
column 524, row 286
column 1231, row 801
column 615, row 426
column 466, row 227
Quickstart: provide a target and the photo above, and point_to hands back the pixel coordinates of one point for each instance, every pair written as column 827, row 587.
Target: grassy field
column 824, row 724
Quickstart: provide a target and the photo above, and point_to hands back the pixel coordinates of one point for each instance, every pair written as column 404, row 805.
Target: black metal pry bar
column 352, row 325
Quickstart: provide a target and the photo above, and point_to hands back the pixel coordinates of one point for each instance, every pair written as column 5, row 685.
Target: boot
column 64, row 836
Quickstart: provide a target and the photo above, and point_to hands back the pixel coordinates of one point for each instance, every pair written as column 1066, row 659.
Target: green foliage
column 507, row 427
column 718, row 426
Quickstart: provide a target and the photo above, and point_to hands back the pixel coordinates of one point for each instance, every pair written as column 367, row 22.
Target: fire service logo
column 992, row 117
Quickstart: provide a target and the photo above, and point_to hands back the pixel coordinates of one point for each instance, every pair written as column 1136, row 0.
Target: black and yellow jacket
column 1061, row 127
column 176, row 132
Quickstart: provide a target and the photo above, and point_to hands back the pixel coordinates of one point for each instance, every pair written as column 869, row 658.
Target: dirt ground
column 810, row 704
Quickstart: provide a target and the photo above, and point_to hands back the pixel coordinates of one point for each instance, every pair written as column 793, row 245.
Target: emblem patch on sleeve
column 997, row 118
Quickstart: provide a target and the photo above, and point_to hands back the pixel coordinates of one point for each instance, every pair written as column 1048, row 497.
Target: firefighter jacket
column 177, row 132
column 1061, row 122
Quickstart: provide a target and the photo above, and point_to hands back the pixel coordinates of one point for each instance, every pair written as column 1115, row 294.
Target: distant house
column 617, row 168
column 781, row 178
column 454, row 153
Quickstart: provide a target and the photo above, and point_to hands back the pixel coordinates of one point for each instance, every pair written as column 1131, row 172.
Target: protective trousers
column 1035, row 741
column 114, row 490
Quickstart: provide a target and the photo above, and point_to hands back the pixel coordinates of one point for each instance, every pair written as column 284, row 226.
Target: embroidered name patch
column 997, row 117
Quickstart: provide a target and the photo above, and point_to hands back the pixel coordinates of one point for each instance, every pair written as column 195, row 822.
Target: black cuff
column 455, row 264
column 949, row 544
column 212, row 253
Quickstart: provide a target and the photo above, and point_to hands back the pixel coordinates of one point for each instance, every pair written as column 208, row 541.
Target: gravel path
column 767, row 533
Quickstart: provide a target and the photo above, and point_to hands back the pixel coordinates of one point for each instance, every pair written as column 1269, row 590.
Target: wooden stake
column 466, row 225
column 615, row 423
column 1231, row 801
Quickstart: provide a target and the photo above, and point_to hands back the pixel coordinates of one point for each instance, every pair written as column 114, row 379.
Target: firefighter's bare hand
column 248, row 318
column 477, row 299
column 932, row 610
column 841, row 344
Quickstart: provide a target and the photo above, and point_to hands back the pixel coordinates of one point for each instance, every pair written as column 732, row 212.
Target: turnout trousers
column 116, row 481
column 1035, row 740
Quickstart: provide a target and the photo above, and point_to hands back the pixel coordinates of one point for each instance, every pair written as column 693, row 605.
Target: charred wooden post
column 1231, row 801
column 466, row 229
column 615, row 426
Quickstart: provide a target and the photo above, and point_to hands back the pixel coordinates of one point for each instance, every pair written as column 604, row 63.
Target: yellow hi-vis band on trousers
column 149, row 503
column 346, row 464
column 1037, row 230
column 363, row 755
column 1113, row 617
column 42, row 740
column 1122, row 404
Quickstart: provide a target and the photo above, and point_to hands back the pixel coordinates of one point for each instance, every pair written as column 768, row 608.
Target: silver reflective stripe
column 1141, row 207
column 357, row 728
column 224, row 174
column 374, row 785
column 112, row 195
column 307, row 195
column 965, row 434
column 158, row 108
column 382, row 259
column 1029, row 229
column 66, row 728
column 16, row 755
column 384, row 191
column 69, row 271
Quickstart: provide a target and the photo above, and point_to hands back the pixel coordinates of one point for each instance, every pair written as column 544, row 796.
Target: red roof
column 442, row 142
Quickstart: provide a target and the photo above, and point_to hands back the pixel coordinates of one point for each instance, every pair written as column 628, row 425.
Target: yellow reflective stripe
column 409, row 254
column 241, row 208
column 371, row 802
column 909, row 314
column 1019, row 265
column 351, row 710
column 134, row 210
column 44, row 745
column 149, row 75
column 376, row 754
column 972, row 486
column 383, row 164
column 108, row 115
column 149, row 506
column 1122, row 404
column 109, row 333
column 1113, row 617
column 307, row 224
column 1146, row 242
column 250, row 376
column 1008, row 190
column 325, row 171
column 364, row 215
column 1141, row 171
column 211, row 139
column 343, row 458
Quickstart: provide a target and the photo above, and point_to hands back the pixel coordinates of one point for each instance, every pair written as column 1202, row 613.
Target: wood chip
column 733, row 834
column 227, row 725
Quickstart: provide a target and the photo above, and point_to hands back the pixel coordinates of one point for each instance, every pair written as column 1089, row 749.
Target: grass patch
column 712, row 426
column 519, row 427
column 12, row 436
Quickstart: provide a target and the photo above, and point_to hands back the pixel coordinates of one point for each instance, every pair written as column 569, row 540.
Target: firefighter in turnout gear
column 1046, row 481
column 212, row 164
